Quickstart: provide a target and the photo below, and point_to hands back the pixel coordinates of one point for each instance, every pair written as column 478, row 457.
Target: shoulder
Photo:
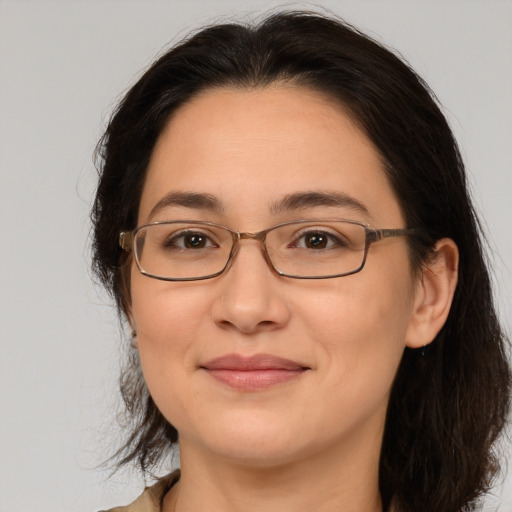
column 151, row 499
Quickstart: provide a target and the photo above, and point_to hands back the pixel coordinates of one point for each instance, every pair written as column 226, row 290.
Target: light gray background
column 62, row 66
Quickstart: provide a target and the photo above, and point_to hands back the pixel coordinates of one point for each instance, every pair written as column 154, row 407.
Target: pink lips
column 253, row 373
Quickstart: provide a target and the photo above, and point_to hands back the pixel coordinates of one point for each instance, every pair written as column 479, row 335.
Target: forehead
column 251, row 147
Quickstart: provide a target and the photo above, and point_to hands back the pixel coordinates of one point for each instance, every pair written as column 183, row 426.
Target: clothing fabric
column 152, row 497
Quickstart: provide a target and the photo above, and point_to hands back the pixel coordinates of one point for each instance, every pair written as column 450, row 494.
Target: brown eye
column 186, row 239
column 316, row 241
column 195, row 241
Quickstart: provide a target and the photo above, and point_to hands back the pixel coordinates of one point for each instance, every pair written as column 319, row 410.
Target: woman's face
column 342, row 339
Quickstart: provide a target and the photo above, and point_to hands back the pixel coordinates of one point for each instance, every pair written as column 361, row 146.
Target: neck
column 345, row 479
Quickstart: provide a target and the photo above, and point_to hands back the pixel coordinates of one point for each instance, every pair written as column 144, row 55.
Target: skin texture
column 311, row 443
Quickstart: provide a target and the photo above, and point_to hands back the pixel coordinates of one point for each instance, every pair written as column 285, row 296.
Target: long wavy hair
column 448, row 403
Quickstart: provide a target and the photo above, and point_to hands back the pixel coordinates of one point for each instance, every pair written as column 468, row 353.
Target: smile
column 254, row 373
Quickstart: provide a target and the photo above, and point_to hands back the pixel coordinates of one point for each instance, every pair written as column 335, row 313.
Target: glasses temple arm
column 374, row 235
column 126, row 240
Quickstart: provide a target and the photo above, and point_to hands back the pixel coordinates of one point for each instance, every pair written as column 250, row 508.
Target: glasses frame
column 127, row 243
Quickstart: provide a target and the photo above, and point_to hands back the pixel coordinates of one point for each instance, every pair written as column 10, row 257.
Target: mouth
column 255, row 373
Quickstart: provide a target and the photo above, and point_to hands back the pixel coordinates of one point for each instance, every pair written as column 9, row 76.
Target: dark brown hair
column 449, row 402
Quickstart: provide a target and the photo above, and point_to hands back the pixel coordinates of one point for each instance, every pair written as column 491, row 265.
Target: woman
column 282, row 217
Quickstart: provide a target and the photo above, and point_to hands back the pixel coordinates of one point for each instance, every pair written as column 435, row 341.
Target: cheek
column 360, row 322
column 166, row 319
column 167, row 324
column 161, row 310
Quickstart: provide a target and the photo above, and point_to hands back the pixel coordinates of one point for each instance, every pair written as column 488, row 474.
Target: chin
column 258, row 441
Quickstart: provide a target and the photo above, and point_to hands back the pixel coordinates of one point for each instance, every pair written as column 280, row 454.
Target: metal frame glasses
column 187, row 250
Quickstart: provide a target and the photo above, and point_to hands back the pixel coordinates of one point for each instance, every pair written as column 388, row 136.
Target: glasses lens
column 178, row 250
column 317, row 249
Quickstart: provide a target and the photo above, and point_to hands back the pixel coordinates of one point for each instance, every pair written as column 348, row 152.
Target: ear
column 126, row 292
column 433, row 296
column 133, row 333
column 131, row 321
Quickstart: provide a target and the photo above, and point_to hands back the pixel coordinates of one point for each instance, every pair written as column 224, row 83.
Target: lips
column 253, row 373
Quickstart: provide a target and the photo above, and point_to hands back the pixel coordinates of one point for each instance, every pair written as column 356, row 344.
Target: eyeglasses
column 186, row 250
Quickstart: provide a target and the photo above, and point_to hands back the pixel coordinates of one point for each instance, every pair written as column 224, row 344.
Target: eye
column 189, row 240
column 317, row 239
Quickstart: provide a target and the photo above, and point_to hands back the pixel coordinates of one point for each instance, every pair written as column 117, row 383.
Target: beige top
column 151, row 499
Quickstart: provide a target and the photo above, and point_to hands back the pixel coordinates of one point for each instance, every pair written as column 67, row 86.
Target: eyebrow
column 290, row 202
column 304, row 200
column 194, row 200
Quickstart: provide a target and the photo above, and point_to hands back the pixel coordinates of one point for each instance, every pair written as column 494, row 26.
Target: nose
column 252, row 296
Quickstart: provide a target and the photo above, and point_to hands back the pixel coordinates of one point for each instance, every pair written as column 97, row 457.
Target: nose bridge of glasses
column 260, row 236
column 257, row 237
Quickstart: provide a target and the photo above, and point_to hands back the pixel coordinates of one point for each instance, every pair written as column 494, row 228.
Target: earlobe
column 434, row 293
column 134, row 343
column 133, row 328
